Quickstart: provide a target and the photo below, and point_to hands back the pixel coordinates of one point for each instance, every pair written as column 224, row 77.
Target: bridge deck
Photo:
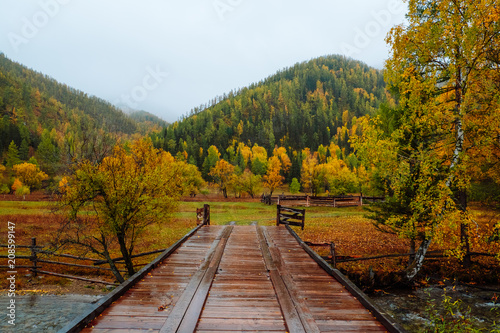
column 234, row 279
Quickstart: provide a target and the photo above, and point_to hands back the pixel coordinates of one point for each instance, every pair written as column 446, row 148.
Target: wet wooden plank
column 180, row 275
column 292, row 317
column 240, row 325
column 191, row 302
column 351, row 295
column 242, row 297
column 193, row 313
column 298, row 301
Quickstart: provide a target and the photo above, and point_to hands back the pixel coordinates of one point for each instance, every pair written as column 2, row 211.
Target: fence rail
column 290, row 216
column 35, row 268
column 333, row 258
column 307, row 200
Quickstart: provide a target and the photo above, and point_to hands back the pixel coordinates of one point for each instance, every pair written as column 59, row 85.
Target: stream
column 411, row 308
column 44, row 313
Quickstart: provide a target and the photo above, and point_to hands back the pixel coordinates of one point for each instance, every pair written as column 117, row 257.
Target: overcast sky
column 168, row 56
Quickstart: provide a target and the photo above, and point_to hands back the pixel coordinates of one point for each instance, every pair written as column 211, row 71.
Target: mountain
column 32, row 104
column 142, row 116
column 298, row 107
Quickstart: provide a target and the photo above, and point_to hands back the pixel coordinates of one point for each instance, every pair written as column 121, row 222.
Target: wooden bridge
column 236, row 279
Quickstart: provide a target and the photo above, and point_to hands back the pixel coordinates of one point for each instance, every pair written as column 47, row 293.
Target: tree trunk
column 464, row 234
column 113, row 267
column 415, row 267
column 460, row 138
column 412, row 253
column 126, row 255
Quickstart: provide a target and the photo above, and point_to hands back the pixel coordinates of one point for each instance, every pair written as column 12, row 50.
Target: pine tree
column 12, row 155
column 24, row 150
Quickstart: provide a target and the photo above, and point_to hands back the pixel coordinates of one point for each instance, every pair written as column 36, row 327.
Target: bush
column 4, row 189
column 23, row 191
column 294, row 186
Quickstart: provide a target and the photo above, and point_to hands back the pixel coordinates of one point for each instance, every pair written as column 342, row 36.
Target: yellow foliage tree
column 249, row 183
column 444, row 64
column 128, row 191
column 286, row 163
column 309, row 162
column 30, row 174
column 273, row 179
column 259, row 160
column 222, row 174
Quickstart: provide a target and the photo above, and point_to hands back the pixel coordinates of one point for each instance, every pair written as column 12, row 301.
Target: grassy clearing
column 224, row 212
column 25, row 207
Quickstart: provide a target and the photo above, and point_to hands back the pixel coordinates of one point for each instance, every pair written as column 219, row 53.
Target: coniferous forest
column 303, row 106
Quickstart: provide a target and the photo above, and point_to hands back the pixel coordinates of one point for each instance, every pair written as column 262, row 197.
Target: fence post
column 34, row 258
column 278, row 207
column 332, row 253
column 206, row 214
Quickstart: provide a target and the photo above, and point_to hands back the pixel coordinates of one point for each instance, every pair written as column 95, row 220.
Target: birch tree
column 443, row 69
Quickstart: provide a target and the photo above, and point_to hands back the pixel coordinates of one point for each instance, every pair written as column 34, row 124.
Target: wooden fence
column 290, row 216
column 38, row 255
column 333, row 258
column 307, row 200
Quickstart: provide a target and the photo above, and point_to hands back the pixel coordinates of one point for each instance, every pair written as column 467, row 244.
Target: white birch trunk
column 414, row 268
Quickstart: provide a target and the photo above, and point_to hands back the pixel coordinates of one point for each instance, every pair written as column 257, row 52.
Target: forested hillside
column 54, row 122
column 146, row 121
column 302, row 106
